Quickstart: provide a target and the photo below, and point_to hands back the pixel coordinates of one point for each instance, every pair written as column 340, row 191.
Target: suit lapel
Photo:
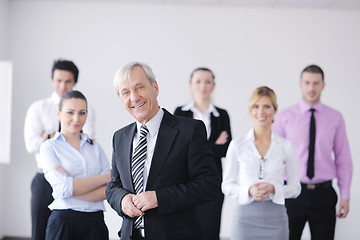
column 126, row 152
column 165, row 140
column 214, row 128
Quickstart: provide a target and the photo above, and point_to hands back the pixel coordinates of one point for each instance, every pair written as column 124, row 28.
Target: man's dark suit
column 182, row 173
column 211, row 211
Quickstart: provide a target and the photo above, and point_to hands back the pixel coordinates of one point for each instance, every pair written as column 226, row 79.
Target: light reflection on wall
column 5, row 110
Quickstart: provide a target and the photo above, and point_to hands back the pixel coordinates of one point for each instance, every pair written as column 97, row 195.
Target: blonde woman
column 254, row 174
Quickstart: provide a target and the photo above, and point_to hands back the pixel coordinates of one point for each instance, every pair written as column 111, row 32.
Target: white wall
column 4, row 36
column 246, row 47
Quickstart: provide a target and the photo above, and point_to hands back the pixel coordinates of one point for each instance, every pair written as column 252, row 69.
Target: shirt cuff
column 278, row 196
column 244, row 197
column 64, row 190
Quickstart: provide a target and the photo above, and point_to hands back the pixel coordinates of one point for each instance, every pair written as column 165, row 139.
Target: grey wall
column 4, row 36
column 4, row 23
column 246, row 48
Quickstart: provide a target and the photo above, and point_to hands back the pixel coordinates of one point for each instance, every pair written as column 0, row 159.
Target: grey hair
column 124, row 73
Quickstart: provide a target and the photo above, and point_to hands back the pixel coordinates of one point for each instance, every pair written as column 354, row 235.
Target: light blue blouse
column 89, row 161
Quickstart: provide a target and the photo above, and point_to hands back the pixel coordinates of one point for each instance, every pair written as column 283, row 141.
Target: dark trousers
column 317, row 206
column 40, row 200
column 75, row 225
column 136, row 236
column 209, row 214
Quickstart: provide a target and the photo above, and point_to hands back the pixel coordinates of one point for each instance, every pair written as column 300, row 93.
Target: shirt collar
column 55, row 98
column 84, row 138
column 251, row 135
column 304, row 107
column 191, row 107
column 153, row 125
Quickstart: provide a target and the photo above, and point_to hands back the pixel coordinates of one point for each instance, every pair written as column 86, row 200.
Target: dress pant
column 41, row 198
column 318, row 206
column 136, row 235
column 68, row 224
column 209, row 215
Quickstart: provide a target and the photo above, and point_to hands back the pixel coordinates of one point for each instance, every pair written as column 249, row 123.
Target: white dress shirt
column 41, row 117
column 88, row 162
column 153, row 126
column 242, row 168
column 203, row 116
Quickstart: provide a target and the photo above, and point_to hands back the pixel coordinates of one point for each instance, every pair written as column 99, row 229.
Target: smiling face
column 62, row 81
column 139, row 96
column 311, row 85
column 262, row 112
column 72, row 115
column 202, row 84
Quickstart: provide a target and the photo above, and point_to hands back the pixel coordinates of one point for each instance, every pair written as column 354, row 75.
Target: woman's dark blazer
column 218, row 124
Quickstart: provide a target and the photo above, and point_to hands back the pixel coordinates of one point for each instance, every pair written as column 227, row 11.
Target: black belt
column 138, row 233
column 314, row 186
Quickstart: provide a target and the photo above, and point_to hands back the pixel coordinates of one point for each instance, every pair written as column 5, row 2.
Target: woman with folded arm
column 78, row 172
column 217, row 123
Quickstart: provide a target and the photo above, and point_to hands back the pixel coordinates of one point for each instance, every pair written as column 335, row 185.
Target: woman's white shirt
column 89, row 161
column 242, row 167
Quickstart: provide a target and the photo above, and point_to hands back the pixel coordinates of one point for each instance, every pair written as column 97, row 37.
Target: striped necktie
column 137, row 167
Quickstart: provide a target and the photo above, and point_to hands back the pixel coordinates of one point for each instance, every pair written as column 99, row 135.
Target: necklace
column 258, row 148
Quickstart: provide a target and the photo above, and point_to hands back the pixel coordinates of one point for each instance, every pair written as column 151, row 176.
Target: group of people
column 167, row 181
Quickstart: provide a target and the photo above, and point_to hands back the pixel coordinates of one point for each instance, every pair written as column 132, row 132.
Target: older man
column 162, row 166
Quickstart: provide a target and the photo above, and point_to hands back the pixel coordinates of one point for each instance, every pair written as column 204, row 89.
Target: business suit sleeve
column 203, row 180
column 114, row 190
column 219, row 150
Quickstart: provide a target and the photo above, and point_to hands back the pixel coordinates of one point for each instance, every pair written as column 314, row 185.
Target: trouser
column 40, row 200
column 209, row 215
column 318, row 207
column 75, row 225
column 138, row 234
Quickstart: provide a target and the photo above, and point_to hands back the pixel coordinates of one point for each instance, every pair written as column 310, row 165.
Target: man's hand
column 145, row 200
column 128, row 207
column 343, row 208
column 45, row 136
column 260, row 191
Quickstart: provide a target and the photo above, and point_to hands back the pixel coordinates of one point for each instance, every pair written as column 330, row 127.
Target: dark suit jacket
column 218, row 124
column 182, row 173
